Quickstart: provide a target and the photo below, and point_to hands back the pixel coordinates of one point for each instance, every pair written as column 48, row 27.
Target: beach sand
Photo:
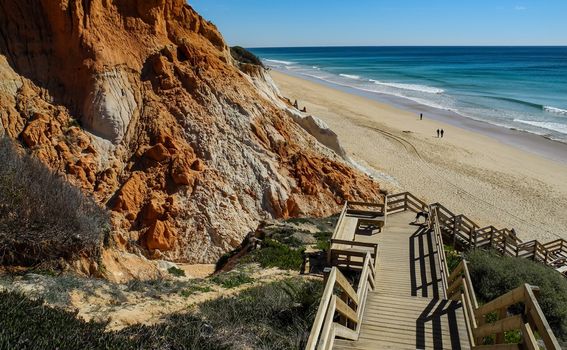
column 473, row 173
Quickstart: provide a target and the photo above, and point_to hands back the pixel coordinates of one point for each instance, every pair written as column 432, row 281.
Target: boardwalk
column 388, row 284
column 406, row 310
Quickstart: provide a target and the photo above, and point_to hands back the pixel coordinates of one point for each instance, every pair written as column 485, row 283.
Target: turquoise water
column 523, row 88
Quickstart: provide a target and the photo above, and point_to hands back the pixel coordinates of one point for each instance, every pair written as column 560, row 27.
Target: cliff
column 140, row 103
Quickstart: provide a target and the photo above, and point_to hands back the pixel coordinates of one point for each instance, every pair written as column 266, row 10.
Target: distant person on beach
column 420, row 116
column 304, row 110
column 295, row 104
column 442, row 132
column 438, row 132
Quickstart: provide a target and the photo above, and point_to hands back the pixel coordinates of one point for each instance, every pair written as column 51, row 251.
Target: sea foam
column 562, row 128
column 350, row 76
column 287, row 63
column 555, row 110
column 412, row 87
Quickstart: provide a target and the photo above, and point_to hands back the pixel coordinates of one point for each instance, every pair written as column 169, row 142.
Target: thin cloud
column 520, row 8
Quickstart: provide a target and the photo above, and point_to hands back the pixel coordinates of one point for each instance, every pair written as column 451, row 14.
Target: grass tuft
column 276, row 254
column 232, row 279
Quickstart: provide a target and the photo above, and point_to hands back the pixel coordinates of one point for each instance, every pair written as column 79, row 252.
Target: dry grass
column 42, row 217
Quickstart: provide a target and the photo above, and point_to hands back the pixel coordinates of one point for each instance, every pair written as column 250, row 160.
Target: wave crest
column 287, row 63
column 561, row 128
column 412, row 87
column 555, row 110
column 350, row 76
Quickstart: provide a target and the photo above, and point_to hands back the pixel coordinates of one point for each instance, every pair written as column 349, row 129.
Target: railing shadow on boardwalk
column 425, row 257
column 433, row 313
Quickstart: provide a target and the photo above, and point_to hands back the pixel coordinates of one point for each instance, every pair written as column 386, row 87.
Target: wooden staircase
column 405, row 297
column 407, row 309
column 391, row 323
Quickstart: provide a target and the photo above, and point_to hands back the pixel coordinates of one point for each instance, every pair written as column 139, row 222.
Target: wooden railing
column 347, row 304
column 340, row 221
column 488, row 323
column 440, row 247
column 376, row 207
column 345, row 259
column 464, row 233
column 403, row 202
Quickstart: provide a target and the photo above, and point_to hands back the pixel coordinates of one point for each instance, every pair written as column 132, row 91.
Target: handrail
column 348, row 304
column 337, row 228
column 478, row 328
column 441, row 258
column 467, row 234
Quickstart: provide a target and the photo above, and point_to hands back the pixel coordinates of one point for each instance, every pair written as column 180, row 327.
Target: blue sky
column 278, row 23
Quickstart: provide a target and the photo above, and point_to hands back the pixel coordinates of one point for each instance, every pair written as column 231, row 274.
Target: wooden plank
column 498, row 347
column 344, row 332
column 528, row 339
column 510, row 298
column 536, row 315
column 500, row 326
column 345, row 285
column 323, row 305
column 346, row 311
column 328, row 325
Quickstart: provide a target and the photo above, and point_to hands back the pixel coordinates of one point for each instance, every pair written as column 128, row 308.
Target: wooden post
column 475, row 237
column 454, row 232
column 502, row 314
column 344, row 297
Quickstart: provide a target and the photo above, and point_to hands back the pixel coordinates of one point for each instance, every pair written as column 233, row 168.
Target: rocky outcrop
column 141, row 104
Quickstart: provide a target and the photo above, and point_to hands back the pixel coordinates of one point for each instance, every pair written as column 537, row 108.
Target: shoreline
column 469, row 171
column 541, row 145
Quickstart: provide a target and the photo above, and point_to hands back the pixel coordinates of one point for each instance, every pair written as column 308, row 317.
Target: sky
column 290, row 23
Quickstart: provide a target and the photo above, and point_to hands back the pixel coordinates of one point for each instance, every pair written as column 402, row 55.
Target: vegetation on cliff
column 42, row 217
column 244, row 56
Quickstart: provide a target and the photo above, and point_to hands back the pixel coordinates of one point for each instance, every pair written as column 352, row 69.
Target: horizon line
column 341, row 46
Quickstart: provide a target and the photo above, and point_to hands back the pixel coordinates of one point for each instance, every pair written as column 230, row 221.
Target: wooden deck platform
column 407, row 309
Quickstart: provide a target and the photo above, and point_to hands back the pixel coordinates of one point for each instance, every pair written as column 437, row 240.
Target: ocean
column 522, row 88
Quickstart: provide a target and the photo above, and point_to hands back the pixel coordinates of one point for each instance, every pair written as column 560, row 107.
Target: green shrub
column 493, row 275
column 28, row 324
column 42, row 217
column 273, row 316
column 453, row 257
column 323, row 240
column 276, row 254
column 242, row 55
column 232, row 279
column 176, row 271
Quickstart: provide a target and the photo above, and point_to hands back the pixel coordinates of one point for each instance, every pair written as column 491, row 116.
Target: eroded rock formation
column 140, row 103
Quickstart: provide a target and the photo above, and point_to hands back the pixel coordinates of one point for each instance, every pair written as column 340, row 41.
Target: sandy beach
column 494, row 175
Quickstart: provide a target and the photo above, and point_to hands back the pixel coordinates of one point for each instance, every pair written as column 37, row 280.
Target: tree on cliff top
column 42, row 217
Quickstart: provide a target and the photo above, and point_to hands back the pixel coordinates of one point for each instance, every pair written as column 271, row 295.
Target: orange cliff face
column 140, row 103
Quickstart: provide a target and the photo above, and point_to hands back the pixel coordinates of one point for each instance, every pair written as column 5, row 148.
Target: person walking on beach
column 442, row 132
column 438, row 132
column 420, row 116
